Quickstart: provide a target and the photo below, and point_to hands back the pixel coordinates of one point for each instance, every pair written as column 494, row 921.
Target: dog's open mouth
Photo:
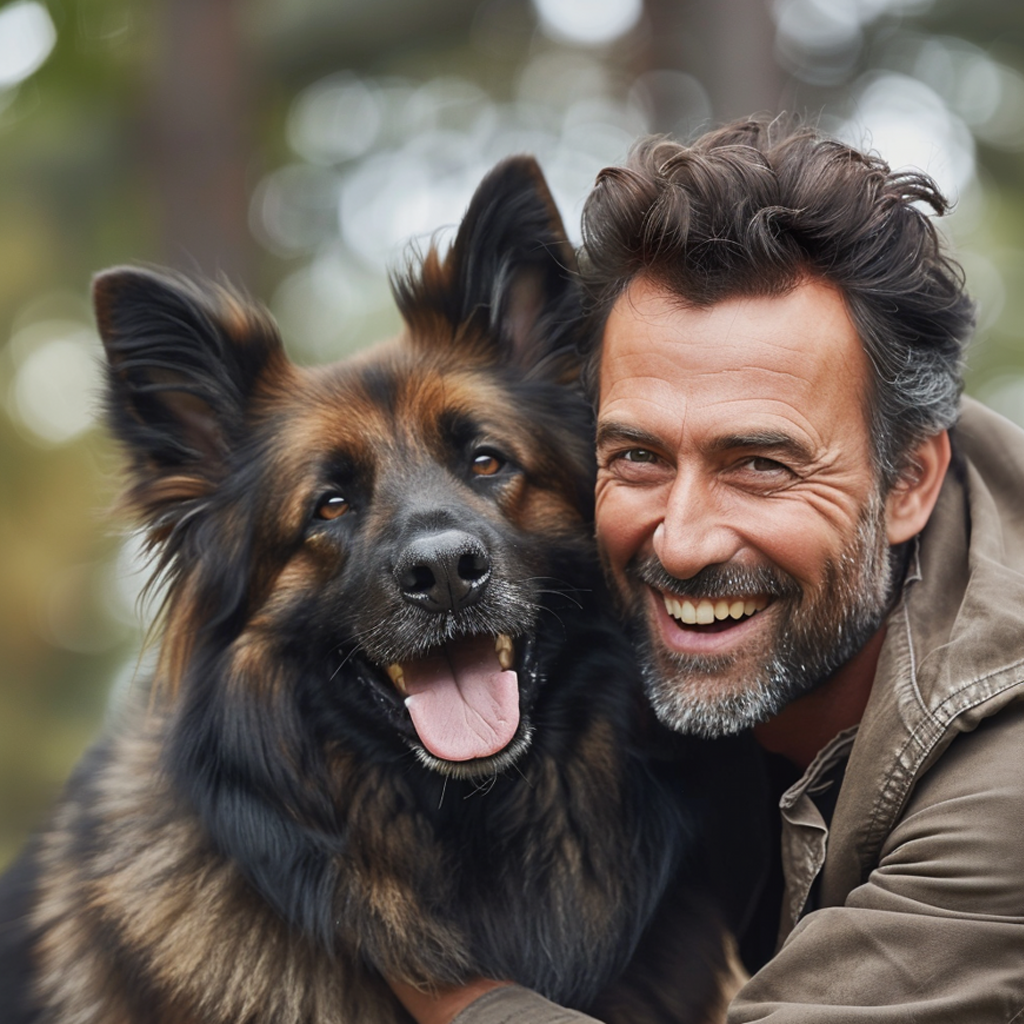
column 462, row 697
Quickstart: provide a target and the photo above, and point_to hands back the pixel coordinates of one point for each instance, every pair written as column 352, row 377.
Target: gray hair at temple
column 753, row 208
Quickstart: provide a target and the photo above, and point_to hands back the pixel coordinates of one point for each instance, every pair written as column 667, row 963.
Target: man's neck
column 803, row 727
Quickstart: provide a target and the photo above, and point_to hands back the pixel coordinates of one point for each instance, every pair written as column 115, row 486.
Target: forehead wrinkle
column 759, row 412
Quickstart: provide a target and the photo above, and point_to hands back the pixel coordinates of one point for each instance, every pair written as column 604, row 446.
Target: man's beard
column 816, row 633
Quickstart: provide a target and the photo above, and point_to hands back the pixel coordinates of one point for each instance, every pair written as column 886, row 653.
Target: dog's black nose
column 443, row 572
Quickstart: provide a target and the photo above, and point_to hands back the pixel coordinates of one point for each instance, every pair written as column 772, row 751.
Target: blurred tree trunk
column 727, row 45
column 199, row 136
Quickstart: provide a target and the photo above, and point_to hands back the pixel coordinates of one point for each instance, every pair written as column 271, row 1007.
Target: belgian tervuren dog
column 393, row 730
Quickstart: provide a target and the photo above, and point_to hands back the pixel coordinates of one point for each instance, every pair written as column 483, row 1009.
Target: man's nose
column 693, row 532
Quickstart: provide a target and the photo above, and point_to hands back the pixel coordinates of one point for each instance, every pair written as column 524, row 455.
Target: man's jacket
column 920, row 904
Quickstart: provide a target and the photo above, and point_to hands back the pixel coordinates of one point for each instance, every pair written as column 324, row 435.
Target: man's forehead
column 779, row 363
column 807, row 329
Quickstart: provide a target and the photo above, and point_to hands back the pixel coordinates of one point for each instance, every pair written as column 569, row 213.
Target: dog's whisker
column 558, row 618
column 565, row 594
column 483, row 786
column 344, row 661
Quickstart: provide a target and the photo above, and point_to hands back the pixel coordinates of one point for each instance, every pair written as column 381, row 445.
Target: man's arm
column 484, row 1002
column 443, row 1006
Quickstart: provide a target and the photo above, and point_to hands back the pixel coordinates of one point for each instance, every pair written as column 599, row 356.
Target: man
column 816, row 542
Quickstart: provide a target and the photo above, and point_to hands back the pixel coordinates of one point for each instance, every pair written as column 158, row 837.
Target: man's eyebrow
column 610, row 431
column 773, row 442
column 766, row 441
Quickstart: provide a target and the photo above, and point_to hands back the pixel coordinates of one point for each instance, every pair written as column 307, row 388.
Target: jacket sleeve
column 936, row 933
column 516, row 1005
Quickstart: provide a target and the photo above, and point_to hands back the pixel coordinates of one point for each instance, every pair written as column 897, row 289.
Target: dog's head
column 365, row 547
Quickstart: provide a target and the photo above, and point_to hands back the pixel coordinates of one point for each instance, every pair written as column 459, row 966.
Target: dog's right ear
column 507, row 287
column 183, row 363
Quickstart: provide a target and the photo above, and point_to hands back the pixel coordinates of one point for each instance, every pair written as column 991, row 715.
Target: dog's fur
column 266, row 833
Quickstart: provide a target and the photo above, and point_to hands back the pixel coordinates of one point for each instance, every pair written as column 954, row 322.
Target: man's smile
column 706, row 612
column 715, row 625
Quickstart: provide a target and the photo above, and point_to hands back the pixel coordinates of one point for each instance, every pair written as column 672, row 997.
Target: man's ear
column 912, row 498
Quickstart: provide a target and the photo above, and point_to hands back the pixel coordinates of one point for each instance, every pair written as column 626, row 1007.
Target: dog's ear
column 508, row 280
column 183, row 362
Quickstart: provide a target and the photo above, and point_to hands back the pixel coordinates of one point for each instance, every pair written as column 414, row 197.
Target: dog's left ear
column 184, row 361
column 508, row 281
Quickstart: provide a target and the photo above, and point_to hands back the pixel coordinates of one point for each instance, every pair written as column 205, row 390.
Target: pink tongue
column 462, row 703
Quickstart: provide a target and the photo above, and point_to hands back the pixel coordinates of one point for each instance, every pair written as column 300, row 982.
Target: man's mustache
column 715, row 580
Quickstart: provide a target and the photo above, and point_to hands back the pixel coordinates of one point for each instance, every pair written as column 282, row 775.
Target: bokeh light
column 54, row 391
column 588, row 22
column 907, row 122
column 27, row 35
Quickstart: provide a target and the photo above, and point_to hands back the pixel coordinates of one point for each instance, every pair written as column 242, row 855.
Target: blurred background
column 295, row 146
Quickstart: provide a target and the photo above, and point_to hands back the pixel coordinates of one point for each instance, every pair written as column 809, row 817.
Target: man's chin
column 703, row 702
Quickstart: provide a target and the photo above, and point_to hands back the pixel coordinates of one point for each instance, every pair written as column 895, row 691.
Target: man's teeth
column 502, row 647
column 705, row 611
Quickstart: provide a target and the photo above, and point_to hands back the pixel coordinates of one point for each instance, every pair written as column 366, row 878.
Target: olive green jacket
column 921, row 900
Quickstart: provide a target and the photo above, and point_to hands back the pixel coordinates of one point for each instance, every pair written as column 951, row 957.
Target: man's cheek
column 614, row 539
column 624, row 591
column 615, row 553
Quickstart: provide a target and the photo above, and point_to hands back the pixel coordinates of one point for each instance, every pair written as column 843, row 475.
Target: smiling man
column 816, row 540
column 738, row 507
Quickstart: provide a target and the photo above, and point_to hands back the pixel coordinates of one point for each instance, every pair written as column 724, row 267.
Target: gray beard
column 818, row 634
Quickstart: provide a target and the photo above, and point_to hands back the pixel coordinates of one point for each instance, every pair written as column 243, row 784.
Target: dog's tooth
column 736, row 609
column 721, row 608
column 505, row 651
column 397, row 676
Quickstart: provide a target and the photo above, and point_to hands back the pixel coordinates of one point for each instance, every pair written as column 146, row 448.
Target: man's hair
column 755, row 207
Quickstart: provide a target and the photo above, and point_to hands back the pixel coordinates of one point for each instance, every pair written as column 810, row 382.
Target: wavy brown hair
column 754, row 207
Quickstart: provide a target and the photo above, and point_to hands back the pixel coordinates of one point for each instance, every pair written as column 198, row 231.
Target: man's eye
column 762, row 465
column 639, row 455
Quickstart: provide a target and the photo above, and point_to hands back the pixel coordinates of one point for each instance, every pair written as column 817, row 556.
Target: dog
column 394, row 730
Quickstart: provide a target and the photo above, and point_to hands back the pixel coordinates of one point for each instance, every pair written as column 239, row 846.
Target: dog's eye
column 331, row 505
column 486, row 464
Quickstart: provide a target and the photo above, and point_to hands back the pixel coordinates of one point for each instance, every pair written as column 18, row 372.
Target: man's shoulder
column 982, row 434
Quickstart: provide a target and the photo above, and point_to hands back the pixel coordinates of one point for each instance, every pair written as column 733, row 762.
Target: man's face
column 738, row 511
